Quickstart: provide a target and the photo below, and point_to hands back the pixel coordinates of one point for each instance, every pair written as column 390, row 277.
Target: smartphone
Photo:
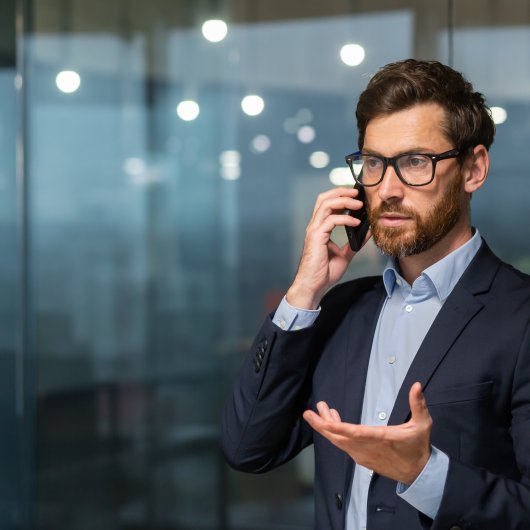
column 356, row 234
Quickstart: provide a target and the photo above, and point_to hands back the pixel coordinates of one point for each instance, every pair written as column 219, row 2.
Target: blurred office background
column 152, row 213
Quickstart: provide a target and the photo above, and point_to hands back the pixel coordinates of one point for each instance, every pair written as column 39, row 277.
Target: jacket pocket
column 459, row 393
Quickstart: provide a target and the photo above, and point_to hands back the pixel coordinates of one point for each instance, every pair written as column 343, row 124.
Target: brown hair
column 398, row 86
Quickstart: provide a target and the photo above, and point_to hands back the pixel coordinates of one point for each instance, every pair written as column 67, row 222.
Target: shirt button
column 408, row 308
column 392, row 359
column 282, row 323
column 370, row 472
column 382, row 415
column 399, row 282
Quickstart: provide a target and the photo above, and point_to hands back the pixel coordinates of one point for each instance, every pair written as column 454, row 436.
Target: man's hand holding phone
column 323, row 262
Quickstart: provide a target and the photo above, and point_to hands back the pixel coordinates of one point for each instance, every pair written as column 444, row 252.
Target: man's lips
column 393, row 219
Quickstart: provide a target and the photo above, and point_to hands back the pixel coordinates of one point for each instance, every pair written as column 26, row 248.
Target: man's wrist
column 291, row 318
column 425, row 493
column 303, row 298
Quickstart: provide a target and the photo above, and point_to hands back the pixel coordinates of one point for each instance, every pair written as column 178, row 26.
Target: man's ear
column 477, row 170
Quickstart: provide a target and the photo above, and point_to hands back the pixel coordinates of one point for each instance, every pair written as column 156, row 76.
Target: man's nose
column 391, row 186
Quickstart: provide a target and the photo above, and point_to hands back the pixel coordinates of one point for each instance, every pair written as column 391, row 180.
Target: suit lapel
column 458, row 310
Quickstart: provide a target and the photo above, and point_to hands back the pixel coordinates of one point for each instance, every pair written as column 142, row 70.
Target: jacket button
column 338, row 500
column 257, row 365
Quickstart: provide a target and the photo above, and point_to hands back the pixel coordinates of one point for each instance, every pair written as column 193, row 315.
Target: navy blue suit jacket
column 474, row 365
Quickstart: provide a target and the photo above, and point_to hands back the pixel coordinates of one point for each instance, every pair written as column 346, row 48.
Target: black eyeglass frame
column 392, row 161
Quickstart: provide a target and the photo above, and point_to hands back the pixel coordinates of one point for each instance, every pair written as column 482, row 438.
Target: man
column 414, row 387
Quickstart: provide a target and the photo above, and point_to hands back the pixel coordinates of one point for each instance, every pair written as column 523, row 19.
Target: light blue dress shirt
column 407, row 314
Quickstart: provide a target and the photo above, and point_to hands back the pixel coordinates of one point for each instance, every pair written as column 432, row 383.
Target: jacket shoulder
column 346, row 296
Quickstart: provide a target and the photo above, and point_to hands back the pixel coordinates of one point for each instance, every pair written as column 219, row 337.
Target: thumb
column 418, row 405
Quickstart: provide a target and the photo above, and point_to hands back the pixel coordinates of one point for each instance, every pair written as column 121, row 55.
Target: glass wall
column 15, row 410
column 165, row 214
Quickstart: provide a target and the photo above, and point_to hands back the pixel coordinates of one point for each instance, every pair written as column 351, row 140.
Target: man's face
column 406, row 220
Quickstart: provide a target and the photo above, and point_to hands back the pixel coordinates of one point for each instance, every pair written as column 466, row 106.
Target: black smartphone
column 356, row 234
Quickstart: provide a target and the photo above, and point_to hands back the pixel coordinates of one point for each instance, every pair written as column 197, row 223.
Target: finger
column 320, row 422
column 322, row 427
column 335, row 415
column 314, row 420
column 329, row 223
column 335, row 192
column 334, row 205
column 324, row 411
column 418, row 404
column 363, row 433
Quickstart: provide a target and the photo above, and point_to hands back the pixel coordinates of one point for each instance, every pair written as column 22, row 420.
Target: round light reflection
column 230, row 172
column 304, row 116
column 290, row 125
column 260, row 144
column 252, row 105
column 306, row 134
column 319, row 159
column 214, row 30
column 499, row 115
column 352, row 54
column 134, row 166
column 188, row 110
column 230, row 158
column 68, row 81
column 341, row 176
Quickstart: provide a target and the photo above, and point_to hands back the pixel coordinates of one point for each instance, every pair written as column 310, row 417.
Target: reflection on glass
column 352, row 54
column 252, row 105
column 260, row 144
column 499, row 115
column 188, row 110
column 214, row 30
column 306, row 134
column 68, row 81
column 340, row 176
column 319, row 159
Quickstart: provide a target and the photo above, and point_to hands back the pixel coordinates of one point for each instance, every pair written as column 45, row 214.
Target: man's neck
column 412, row 266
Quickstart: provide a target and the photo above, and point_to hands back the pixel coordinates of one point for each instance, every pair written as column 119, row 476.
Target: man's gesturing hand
column 398, row 452
column 323, row 262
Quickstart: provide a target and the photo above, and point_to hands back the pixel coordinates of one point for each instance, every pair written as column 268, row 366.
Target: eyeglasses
column 413, row 169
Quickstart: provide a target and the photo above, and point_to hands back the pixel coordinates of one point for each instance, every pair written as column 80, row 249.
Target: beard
column 400, row 242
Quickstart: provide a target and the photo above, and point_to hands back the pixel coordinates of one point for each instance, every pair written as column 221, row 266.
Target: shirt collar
column 443, row 274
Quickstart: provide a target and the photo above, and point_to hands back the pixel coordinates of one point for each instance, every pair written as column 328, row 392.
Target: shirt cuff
column 425, row 493
column 290, row 318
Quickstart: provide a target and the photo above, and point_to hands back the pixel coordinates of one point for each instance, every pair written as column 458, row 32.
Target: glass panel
column 484, row 37
column 12, row 413
column 161, row 239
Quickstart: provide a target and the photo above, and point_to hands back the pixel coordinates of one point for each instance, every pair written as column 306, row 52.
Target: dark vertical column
column 450, row 32
column 9, row 262
column 25, row 364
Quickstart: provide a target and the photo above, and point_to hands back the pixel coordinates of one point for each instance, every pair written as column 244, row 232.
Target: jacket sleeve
column 262, row 424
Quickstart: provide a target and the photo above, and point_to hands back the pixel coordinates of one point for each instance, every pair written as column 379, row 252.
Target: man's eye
column 372, row 163
column 416, row 162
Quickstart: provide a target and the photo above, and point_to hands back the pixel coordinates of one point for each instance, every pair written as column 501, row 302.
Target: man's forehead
column 421, row 126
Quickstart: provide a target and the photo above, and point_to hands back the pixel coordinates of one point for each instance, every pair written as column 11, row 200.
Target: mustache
column 391, row 208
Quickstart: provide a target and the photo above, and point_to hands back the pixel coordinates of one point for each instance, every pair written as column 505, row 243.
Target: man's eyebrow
column 411, row 151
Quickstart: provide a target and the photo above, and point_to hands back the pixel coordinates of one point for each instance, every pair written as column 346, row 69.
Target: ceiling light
column 188, row 110
column 214, row 30
column 252, row 105
column 68, row 81
column 499, row 115
column 352, row 54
